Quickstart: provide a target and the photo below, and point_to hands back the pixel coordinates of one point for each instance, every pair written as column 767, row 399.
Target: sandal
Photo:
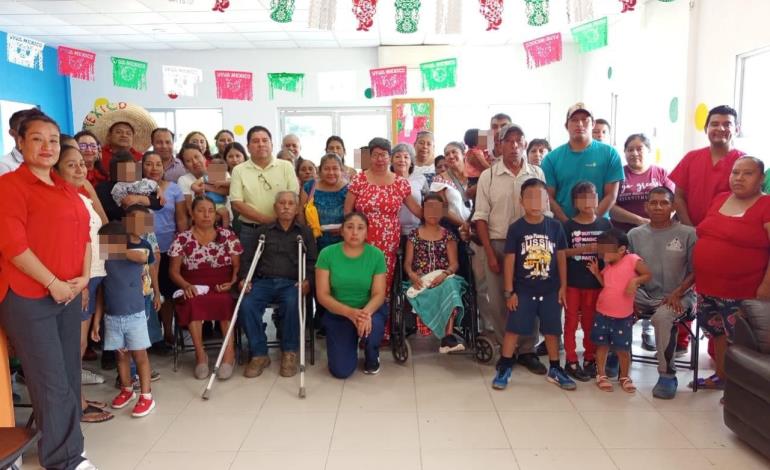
column 93, row 414
column 627, row 384
column 96, row 404
column 712, row 382
column 604, row 384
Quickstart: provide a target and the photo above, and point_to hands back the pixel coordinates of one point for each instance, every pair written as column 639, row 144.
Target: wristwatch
column 507, row 294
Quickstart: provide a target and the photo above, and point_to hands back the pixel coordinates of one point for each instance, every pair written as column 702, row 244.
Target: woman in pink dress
column 379, row 193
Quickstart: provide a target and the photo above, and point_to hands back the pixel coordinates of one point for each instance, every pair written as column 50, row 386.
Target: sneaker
column 612, row 365
column 134, row 383
column 648, row 342
column 574, row 370
column 288, row 364
column 503, row 376
column 90, row 378
column 541, row 350
column 143, row 407
column 450, row 344
column 84, row 465
column 256, row 366
column 556, row 375
column 126, row 396
column 589, row 368
column 532, row 363
column 372, row 369
column 665, row 388
column 154, row 375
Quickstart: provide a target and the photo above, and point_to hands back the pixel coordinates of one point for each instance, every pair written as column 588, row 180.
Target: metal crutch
column 302, row 312
column 257, row 255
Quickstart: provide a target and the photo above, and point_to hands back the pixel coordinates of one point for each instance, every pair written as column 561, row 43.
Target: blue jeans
column 342, row 342
column 153, row 323
column 264, row 292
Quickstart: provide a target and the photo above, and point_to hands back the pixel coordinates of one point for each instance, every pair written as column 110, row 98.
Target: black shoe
column 161, row 349
column 532, row 363
column 108, row 360
column 450, row 344
column 541, row 350
column 589, row 369
column 648, row 342
column 612, row 365
column 574, row 370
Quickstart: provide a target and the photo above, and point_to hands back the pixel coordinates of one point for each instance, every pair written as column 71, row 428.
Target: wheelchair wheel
column 401, row 349
column 485, row 350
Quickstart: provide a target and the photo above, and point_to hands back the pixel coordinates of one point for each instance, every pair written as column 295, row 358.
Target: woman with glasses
column 92, row 154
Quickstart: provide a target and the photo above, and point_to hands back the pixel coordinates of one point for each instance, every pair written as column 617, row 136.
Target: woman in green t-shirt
column 350, row 284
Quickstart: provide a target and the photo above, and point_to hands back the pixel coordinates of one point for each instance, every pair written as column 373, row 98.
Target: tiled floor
column 434, row 413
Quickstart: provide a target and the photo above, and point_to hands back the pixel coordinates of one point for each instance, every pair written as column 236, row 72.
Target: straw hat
column 104, row 116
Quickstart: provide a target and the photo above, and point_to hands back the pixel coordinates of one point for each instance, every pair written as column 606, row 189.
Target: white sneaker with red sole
column 126, row 396
column 143, row 407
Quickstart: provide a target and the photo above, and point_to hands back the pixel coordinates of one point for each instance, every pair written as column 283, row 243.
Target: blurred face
column 234, row 158
column 128, row 172
column 217, row 172
column 204, row 214
column 72, row 168
column 579, row 126
column 534, row 201
column 536, row 154
column 89, row 149
column 286, row 207
column 306, row 171
column 659, row 207
column 112, row 247
column 336, row 146
column 40, row 145
column 601, row 132
column 720, row 129
column 152, row 167
column 163, row 144
column 260, row 145
column 453, row 157
column 440, row 165
column 746, row 179
column 121, row 136
column 401, row 163
column 138, row 223
column 424, row 148
column 380, row 159
column 291, row 143
column 331, row 172
column 513, row 147
column 636, row 155
column 222, row 141
column 199, row 141
column 354, row 231
column 432, row 212
column 611, row 253
column 194, row 162
column 586, row 203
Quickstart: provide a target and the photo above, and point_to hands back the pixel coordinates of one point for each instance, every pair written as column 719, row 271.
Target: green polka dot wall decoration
column 368, row 93
column 673, row 109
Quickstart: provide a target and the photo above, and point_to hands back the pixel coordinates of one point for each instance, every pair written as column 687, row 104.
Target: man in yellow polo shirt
column 254, row 185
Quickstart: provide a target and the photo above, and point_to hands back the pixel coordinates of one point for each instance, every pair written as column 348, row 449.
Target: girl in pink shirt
column 623, row 273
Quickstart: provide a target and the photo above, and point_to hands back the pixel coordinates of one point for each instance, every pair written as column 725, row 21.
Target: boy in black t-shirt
column 582, row 287
column 535, row 280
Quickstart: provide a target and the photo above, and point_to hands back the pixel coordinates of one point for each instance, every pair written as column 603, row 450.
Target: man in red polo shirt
column 120, row 136
column 704, row 173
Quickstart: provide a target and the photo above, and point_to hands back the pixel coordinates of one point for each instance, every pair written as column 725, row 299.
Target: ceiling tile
column 113, row 6
column 37, row 20
column 142, row 46
column 16, row 8
column 232, row 44
column 184, row 17
column 109, row 47
column 274, row 44
column 273, row 36
column 168, row 28
column 257, row 27
column 128, row 39
column 140, row 18
column 87, row 39
column 209, row 28
column 198, row 45
column 111, row 29
column 318, row 44
column 59, row 6
column 25, row 30
column 91, row 19
column 186, row 37
column 220, row 37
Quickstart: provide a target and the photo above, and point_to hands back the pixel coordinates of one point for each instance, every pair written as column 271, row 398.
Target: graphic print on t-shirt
column 675, row 245
column 536, row 251
column 582, row 238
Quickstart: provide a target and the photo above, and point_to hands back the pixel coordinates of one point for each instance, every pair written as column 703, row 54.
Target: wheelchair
column 403, row 318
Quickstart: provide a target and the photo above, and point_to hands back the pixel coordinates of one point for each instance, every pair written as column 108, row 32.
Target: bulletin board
column 410, row 116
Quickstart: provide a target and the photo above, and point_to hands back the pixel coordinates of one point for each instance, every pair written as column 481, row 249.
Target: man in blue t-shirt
column 581, row 159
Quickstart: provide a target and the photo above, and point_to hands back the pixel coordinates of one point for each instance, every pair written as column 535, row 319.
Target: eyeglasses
column 88, row 146
column 265, row 183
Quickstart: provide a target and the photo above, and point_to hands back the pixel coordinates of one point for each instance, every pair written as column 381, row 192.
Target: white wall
column 489, row 78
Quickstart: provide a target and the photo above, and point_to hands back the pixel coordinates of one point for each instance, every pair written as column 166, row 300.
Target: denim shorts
column 93, row 286
column 613, row 332
column 522, row 320
column 126, row 332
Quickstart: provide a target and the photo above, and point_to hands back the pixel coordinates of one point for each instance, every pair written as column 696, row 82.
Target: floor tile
column 110, row 436
column 375, row 431
column 705, row 429
column 280, row 431
column 216, row 432
column 659, row 459
column 742, row 457
column 297, row 459
column 572, row 459
column 391, row 390
column 461, row 430
column 588, row 397
column 530, row 394
column 634, row 430
column 405, row 459
column 548, row 430
column 464, row 459
column 187, row 460
column 452, row 395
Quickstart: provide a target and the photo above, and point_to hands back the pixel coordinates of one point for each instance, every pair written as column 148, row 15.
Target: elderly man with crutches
column 275, row 281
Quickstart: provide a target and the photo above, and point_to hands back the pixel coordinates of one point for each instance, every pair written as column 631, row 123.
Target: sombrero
column 104, row 116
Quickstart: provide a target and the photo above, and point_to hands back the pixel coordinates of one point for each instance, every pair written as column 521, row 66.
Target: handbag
column 312, row 219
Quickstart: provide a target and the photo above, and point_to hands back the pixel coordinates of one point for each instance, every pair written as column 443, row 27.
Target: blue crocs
column 665, row 388
column 502, row 378
column 556, row 375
